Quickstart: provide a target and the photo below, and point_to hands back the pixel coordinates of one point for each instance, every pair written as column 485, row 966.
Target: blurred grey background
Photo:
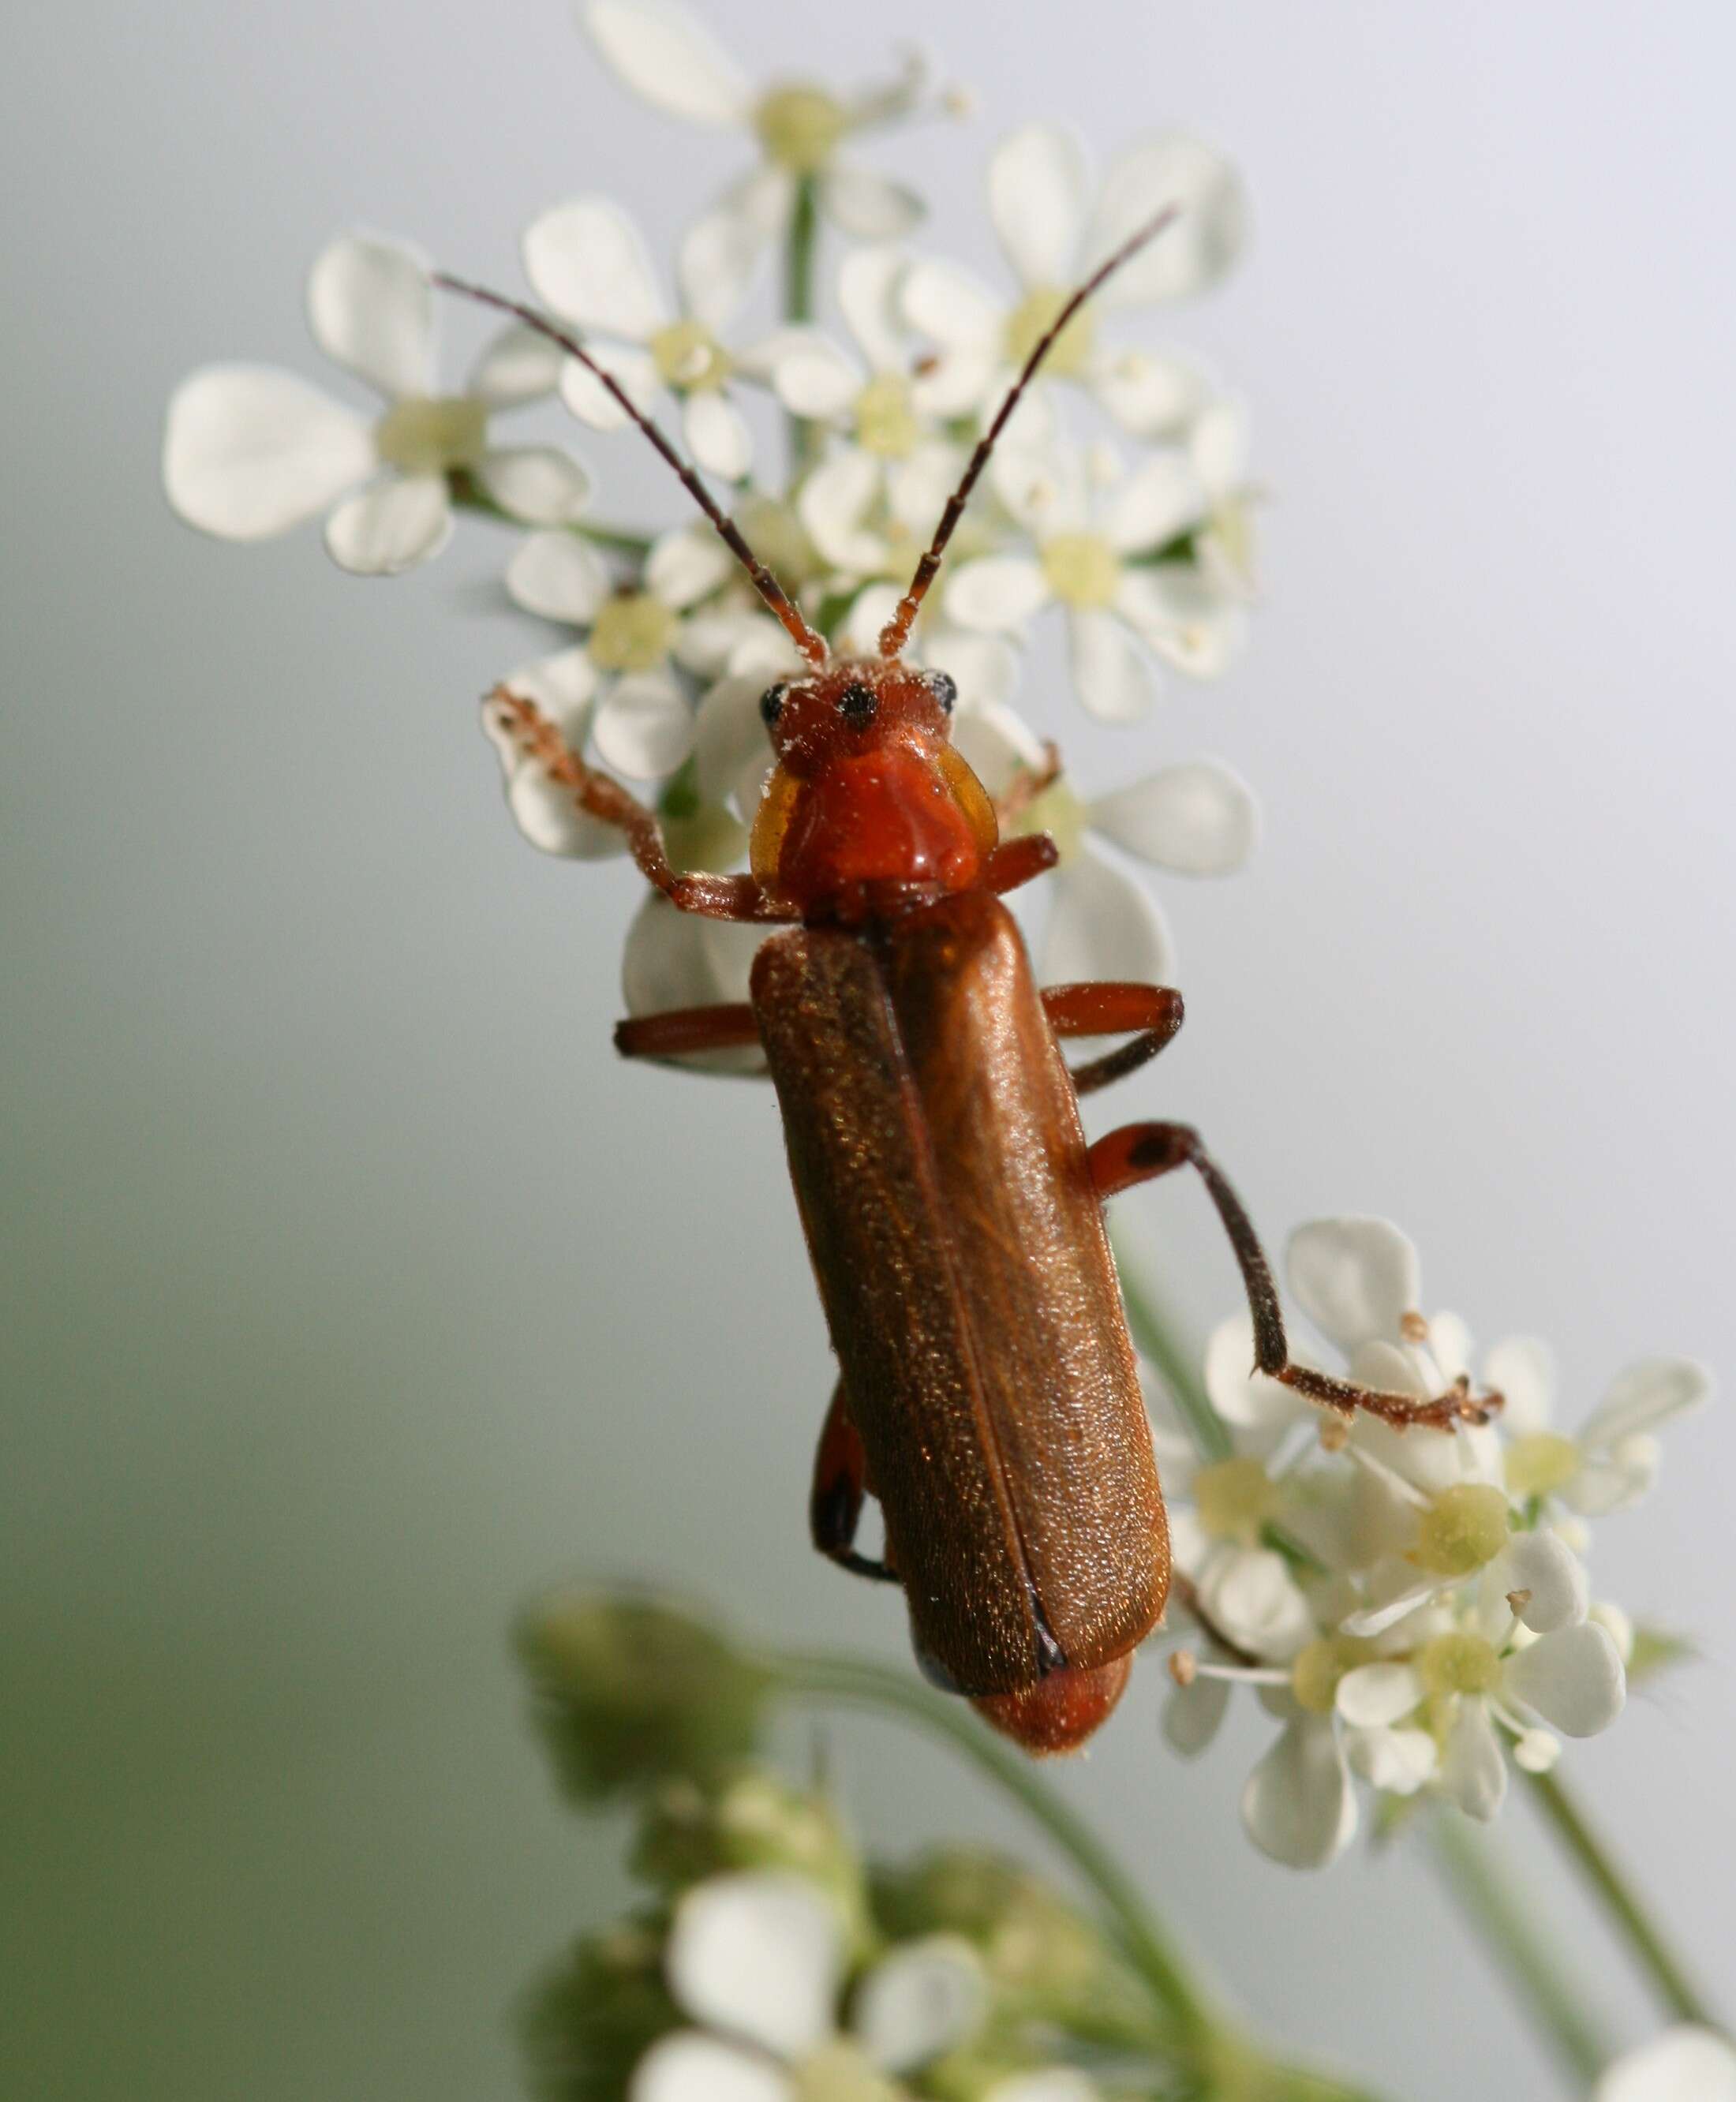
column 353, row 1290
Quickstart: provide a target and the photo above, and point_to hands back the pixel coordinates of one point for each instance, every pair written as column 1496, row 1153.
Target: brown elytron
column 952, row 1208
column 958, row 1243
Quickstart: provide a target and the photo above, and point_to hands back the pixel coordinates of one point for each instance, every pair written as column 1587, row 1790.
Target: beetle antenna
column 896, row 632
column 811, row 645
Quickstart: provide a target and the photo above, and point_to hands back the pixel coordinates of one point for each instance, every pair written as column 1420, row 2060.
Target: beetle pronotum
column 987, row 1395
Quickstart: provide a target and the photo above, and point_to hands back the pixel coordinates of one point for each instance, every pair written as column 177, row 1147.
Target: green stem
column 1154, row 1334
column 858, row 1682
column 1653, row 1954
column 798, row 304
column 1486, row 1896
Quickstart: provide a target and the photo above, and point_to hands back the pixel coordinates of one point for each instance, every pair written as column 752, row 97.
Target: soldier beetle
column 988, row 1398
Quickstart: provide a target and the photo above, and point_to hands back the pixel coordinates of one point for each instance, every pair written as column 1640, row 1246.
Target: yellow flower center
column 427, row 434
column 1464, row 1527
column 632, row 633
column 1459, row 1664
column 1081, row 568
column 689, row 357
column 1540, row 1464
column 1031, row 319
column 1059, row 812
column 886, row 423
column 1234, row 1498
column 838, row 2071
column 800, row 127
column 1314, row 1676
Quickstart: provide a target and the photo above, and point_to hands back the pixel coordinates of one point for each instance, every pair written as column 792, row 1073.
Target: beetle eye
column 771, row 703
column 856, row 704
column 945, row 688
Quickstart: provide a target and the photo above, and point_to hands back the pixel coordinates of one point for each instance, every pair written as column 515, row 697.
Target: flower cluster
column 1415, row 1610
column 1133, row 528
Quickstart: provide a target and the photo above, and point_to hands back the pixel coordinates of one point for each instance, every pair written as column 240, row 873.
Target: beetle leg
column 679, row 1030
column 840, row 1485
column 1106, row 1007
column 601, row 796
column 1016, row 861
column 1140, row 1152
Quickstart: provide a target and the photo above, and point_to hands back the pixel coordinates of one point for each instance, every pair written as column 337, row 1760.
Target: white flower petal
column 1375, row 1695
column 709, row 644
column 1643, row 1397
column 1353, row 1277
column 1684, row 2064
column 539, row 484
column 1114, row 679
column 1199, row 819
column 1045, row 484
column 1055, row 2083
column 686, row 564
column 985, row 669
column 1246, row 1399
column 1190, row 257
column 686, row 2066
column 815, row 379
column 994, row 742
column 869, row 281
column 1103, row 924
column 1574, row 1678
column 559, row 577
column 762, row 198
column 675, row 959
column 1397, row 1762
column 957, row 309
column 918, row 487
column 643, row 727
column 1037, row 193
column 919, row 2000
column 1182, row 615
column 1219, row 447
column 1151, row 395
column 1297, row 1806
column 1250, row 1595
column 1536, row 1751
column 759, row 1954
column 391, row 526
column 1472, row 1771
column 1160, row 500
column 1395, row 1592
column 518, row 366
column 545, row 811
column 370, row 306
column 1193, row 1714
column 868, row 204
column 717, row 434
column 1616, row 1481
column 1544, row 1565
column 1450, row 1344
column 997, row 591
column 729, row 736
column 833, row 501
column 1523, row 1369
column 667, row 56
column 249, row 451
column 858, row 632
column 590, row 399
column 715, row 268
column 587, row 261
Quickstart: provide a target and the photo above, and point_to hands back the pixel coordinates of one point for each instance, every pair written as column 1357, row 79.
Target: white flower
column 1088, row 525
column 619, row 686
column 1686, row 2063
column 757, row 1961
column 872, row 505
column 1613, row 1461
column 1197, row 818
column 1053, row 237
column 251, row 450
column 588, row 264
column 666, row 54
